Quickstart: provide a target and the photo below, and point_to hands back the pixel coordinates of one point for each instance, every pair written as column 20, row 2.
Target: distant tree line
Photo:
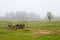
column 21, row 15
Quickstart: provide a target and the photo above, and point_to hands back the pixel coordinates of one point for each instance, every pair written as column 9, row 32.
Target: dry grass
column 38, row 31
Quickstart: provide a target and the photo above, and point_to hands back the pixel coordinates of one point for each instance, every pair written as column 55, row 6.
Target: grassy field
column 28, row 33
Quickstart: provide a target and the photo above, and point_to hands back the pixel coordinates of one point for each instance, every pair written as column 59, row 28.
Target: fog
column 38, row 7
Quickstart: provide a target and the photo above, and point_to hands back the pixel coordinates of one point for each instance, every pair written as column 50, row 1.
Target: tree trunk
column 49, row 20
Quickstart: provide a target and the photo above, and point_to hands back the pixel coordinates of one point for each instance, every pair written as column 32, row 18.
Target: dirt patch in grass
column 38, row 31
column 41, row 31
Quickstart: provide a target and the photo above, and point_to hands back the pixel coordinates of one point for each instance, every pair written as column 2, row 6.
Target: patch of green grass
column 48, row 37
column 45, row 25
column 26, row 35
column 6, row 34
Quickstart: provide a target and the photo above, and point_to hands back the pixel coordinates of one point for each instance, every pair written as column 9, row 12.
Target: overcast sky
column 40, row 7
